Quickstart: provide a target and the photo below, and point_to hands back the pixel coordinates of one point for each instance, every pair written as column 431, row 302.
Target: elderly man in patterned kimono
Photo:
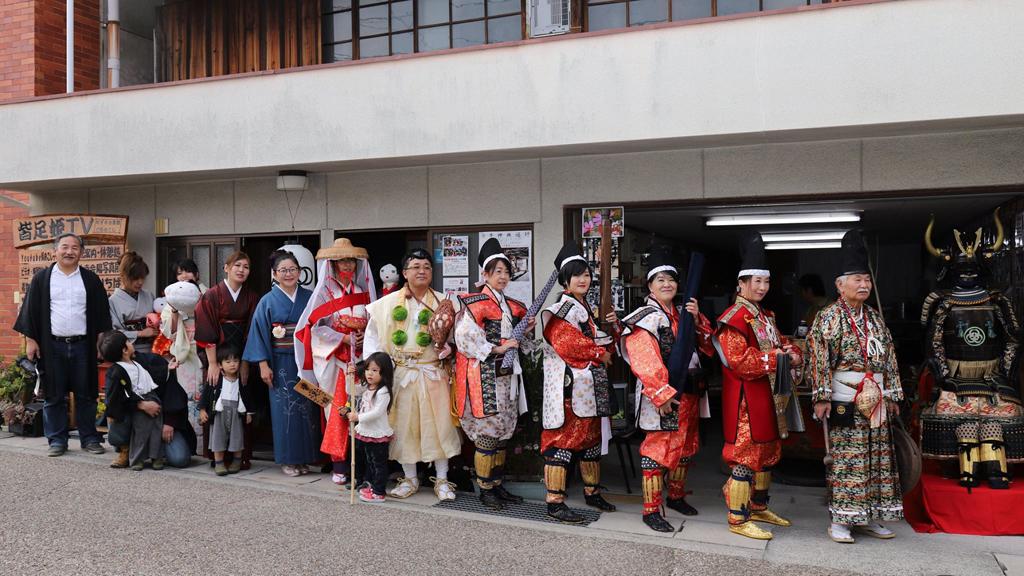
column 577, row 394
column 754, row 356
column 421, row 412
column 856, row 386
column 329, row 336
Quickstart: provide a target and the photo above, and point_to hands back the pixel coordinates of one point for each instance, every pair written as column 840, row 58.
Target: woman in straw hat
column 329, row 336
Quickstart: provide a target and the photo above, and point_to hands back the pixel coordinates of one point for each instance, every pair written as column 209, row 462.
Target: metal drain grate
column 536, row 511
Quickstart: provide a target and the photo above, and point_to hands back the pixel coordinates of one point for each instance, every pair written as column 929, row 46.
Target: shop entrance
column 210, row 253
column 803, row 239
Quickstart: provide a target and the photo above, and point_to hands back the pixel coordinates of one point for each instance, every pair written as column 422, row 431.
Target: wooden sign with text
column 313, row 392
column 100, row 258
column 48, row 227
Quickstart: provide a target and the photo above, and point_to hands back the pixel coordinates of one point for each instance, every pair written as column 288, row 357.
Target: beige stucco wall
column 537, row 190
column 835, row 72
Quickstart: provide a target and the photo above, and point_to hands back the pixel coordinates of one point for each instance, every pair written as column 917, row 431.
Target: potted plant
column 16, row 386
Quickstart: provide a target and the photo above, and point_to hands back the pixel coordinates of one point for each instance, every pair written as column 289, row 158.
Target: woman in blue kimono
column 295, row 419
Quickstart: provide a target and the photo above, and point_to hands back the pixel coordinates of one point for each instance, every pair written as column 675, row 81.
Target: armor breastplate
column 971, row 333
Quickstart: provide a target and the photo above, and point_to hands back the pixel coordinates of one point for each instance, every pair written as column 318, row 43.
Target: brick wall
column 32, row 64
column 50, row 47
column 12, row 205
column 17, row 41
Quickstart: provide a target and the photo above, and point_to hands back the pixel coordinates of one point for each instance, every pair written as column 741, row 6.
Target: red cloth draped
column 940, row 504
column 335, row 442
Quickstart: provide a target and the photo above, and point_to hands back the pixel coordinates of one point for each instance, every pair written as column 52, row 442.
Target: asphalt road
column 60, row 516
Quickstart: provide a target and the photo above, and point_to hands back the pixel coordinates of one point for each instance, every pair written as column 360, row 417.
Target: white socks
column 878, row 528
column 410, row 472
column 840, row 531
column 441, row 466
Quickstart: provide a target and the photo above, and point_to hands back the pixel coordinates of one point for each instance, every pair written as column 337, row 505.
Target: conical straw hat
column 342, row 248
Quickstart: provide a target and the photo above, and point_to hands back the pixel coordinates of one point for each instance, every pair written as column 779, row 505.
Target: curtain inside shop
column 202, row 38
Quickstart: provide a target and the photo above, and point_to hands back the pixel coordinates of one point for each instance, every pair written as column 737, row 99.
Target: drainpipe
column 113, row 44
column 69, row 57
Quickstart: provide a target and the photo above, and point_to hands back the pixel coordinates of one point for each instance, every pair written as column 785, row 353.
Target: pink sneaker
column 367, row 495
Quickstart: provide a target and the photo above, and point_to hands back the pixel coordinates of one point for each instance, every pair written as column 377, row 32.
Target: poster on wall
column 458, row 285
column 455, row 255
column 593, row 221
column 518, row 246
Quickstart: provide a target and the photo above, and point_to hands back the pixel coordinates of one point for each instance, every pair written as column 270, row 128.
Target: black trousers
column 375, row 456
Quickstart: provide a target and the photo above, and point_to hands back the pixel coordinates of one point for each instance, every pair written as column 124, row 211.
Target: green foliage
column 15, row 383
column 524, row 461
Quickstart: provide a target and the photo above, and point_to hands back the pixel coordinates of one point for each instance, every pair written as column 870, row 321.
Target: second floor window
column 355, row 29
column 606, row 14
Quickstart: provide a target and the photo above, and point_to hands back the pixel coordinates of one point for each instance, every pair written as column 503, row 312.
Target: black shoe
column 655, row 522
column 489, row 498
column 999, row 482
column 559, row 511
column 94, row 448
column 56, row 450
column 598, row 501
column 506, row 496
column 681, row 506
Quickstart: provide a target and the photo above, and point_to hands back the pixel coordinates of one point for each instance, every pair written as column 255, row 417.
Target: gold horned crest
column 969, row 250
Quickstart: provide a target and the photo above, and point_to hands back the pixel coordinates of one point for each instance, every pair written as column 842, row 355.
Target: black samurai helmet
column 967, row 265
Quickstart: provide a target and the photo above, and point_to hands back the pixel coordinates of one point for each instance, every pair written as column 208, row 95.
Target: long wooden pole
column 352, row 463
column 606, row 267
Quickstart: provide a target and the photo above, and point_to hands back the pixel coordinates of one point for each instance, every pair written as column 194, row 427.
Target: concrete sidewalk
column 805, row 543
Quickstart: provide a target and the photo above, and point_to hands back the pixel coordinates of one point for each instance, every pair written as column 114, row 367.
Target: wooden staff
column 606, row 268
column 352, row 461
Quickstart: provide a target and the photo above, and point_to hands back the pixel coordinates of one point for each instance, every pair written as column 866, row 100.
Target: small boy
column 224, row 398
column 133, row 397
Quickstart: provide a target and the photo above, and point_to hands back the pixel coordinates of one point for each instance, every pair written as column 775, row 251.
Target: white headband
column 570, row 259
column 492, row 257
column 753, row 272
column 662, row 268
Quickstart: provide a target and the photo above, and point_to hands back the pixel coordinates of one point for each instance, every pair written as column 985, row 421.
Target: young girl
column 373, row 431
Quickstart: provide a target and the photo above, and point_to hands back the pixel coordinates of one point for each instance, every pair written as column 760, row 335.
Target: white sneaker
column 339, row 478
column 289, row 470
column 443, row 489
column 406, row 487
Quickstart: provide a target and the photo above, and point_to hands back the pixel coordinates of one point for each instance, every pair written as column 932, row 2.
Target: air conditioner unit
column 549, row 17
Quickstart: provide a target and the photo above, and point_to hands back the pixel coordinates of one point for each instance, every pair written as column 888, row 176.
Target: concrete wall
column 807, row 71
column 537, row 190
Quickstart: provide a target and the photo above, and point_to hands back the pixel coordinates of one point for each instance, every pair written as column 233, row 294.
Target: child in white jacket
column 372, row 429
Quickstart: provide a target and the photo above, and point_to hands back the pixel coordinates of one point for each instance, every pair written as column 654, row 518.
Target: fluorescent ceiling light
column 802, row 245
column 790, row 218
column 803, row 236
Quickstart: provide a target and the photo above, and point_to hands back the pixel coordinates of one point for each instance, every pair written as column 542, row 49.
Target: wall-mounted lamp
column 292, row 180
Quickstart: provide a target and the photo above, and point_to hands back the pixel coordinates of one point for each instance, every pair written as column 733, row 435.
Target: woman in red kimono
column 222, row 319
column 750, row 346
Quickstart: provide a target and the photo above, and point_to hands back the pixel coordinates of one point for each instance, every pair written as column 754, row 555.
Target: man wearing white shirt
column 64, row 312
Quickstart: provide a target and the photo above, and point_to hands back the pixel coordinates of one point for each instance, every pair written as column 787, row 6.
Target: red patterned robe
column 745, row 334
column 648, row 338
column 573, row 421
